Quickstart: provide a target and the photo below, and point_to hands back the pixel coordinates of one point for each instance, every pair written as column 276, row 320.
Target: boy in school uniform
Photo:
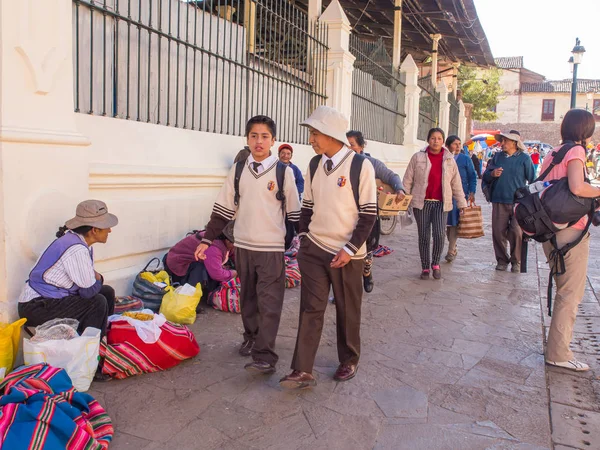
column 259, row 240
column 334, row 226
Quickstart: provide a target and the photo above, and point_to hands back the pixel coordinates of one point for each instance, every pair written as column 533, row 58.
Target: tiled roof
column 583, row 86
column 509, row 62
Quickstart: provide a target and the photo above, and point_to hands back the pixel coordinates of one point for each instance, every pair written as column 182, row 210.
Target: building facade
column 536, row 106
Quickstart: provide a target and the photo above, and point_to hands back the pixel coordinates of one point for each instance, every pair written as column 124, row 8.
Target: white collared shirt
column 264, row 164
column 337, row 158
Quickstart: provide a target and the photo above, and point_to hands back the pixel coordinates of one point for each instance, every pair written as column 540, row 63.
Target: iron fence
column 201, row 65
column 454, row 114
column 377, row 93
column 429, row 107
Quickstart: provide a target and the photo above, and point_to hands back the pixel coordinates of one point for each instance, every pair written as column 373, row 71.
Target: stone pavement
column 450, row 364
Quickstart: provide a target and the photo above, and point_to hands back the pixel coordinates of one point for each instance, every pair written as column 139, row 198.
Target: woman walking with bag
column 468, row 177
column 433, row 180
column 578, row 127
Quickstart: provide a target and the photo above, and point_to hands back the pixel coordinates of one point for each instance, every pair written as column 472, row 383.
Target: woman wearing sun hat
column 63, row 282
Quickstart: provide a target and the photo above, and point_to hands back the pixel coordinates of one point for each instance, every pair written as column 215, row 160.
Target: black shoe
column 246, row 348
column 260, row 367
column 368, row 283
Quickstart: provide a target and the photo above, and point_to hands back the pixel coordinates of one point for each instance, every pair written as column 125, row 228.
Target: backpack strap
column 558, row 256
column 355, row 168
column 313, row 166
column 557, row 158
column 239, row 167
column 280, row 176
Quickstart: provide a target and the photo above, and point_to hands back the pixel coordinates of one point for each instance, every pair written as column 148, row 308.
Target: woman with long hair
column 468, row 177
column 577, row 127
column 433, row 179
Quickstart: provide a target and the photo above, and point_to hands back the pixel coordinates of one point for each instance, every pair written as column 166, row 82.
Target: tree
column 482, row 89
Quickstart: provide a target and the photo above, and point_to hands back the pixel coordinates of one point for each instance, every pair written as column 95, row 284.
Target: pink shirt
column 560, row 171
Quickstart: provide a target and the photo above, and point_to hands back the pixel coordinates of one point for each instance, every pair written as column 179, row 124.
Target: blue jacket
column 467, row 172
column 299, row 178
column 518, row 171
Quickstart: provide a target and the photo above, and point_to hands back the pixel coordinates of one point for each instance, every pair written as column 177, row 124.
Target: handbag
column 470, row 223
column 147, row 291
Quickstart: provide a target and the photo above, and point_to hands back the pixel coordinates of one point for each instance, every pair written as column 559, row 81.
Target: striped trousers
column 431, row 220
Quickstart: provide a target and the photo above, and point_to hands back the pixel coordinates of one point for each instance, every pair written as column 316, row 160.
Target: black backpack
column 290, row 229
column 355, row 169
column 539, row 213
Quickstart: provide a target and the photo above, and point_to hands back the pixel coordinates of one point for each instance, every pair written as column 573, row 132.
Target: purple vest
column 48, row 259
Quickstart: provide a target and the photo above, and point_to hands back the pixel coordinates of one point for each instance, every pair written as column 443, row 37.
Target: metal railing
column 377, row 93
column 205, row 65
column 429, row 107
column 454, row 114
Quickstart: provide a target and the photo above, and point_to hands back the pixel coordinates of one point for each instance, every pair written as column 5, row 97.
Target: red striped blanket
column 126, row 355
column 40, row 409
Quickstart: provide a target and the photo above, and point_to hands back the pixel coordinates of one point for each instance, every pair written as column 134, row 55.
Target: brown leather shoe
column 345, row 372
column 298, row 380
column 246, row 348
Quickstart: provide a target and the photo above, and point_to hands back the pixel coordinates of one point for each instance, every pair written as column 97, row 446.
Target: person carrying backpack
column 577, row 126
column 387, row 176
column 338, row 212
column 506, row 172
column 263, row 204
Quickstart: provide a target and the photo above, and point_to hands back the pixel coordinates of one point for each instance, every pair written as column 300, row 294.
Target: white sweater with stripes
column 259, row 219
column 329, row 215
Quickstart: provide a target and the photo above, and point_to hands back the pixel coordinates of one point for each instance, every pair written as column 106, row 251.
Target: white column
column 462, row 122
column 411, row 102
column 340, row 62
column 397, row 43
column 44, row 166
column 434, row 57
column 314, row 9
column 444, row 121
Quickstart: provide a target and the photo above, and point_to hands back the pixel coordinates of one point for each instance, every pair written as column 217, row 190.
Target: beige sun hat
column 513, row 136
column 330, row 122
column 92, row 213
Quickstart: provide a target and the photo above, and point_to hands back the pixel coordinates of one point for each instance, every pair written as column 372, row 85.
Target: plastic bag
column 56, row 329
column 10, row 335
column 179, row 305
column 78, row 356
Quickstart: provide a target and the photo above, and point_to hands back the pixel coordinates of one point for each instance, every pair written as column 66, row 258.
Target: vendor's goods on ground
column 10, row 335
column 40, row 409
column 179, row 305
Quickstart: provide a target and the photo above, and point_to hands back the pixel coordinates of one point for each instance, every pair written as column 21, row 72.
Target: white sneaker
column 575, row 365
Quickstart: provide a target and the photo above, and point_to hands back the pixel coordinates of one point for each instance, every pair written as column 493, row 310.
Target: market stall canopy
column 463, row 39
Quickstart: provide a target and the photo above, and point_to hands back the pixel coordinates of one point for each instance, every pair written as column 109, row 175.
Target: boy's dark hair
column 83, row 230
column 578, row 125
column 360, row 139
column 436, row 130
column 450, row 140
column 270, row 123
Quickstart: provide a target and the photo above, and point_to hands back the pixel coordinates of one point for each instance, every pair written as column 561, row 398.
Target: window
column 548, row 109
column 596, row 109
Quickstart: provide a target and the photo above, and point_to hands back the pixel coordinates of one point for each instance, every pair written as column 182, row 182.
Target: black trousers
column 91, row 312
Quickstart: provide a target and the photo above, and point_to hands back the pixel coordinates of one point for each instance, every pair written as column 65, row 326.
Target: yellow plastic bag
column 10, row 334
column 178, row 307
column 160, row 277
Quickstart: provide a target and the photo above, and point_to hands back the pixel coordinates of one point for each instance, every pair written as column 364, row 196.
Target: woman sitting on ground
column 63, row 283
column 180, row 262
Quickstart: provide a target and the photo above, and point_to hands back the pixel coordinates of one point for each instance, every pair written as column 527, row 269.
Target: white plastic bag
column 78, row 356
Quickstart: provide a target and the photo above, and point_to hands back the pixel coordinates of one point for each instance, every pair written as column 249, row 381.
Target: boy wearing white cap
column 334, row 225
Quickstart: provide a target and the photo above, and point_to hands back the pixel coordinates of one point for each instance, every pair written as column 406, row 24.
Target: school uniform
column 259, row 235
column 330, row 221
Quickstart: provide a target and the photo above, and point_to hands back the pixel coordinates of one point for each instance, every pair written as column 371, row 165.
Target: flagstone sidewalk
column 450, row 364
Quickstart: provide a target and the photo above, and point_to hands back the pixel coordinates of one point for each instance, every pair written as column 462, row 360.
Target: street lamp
column 577, row 52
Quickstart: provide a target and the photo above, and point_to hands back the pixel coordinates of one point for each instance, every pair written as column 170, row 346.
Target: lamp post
column 577, row 52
